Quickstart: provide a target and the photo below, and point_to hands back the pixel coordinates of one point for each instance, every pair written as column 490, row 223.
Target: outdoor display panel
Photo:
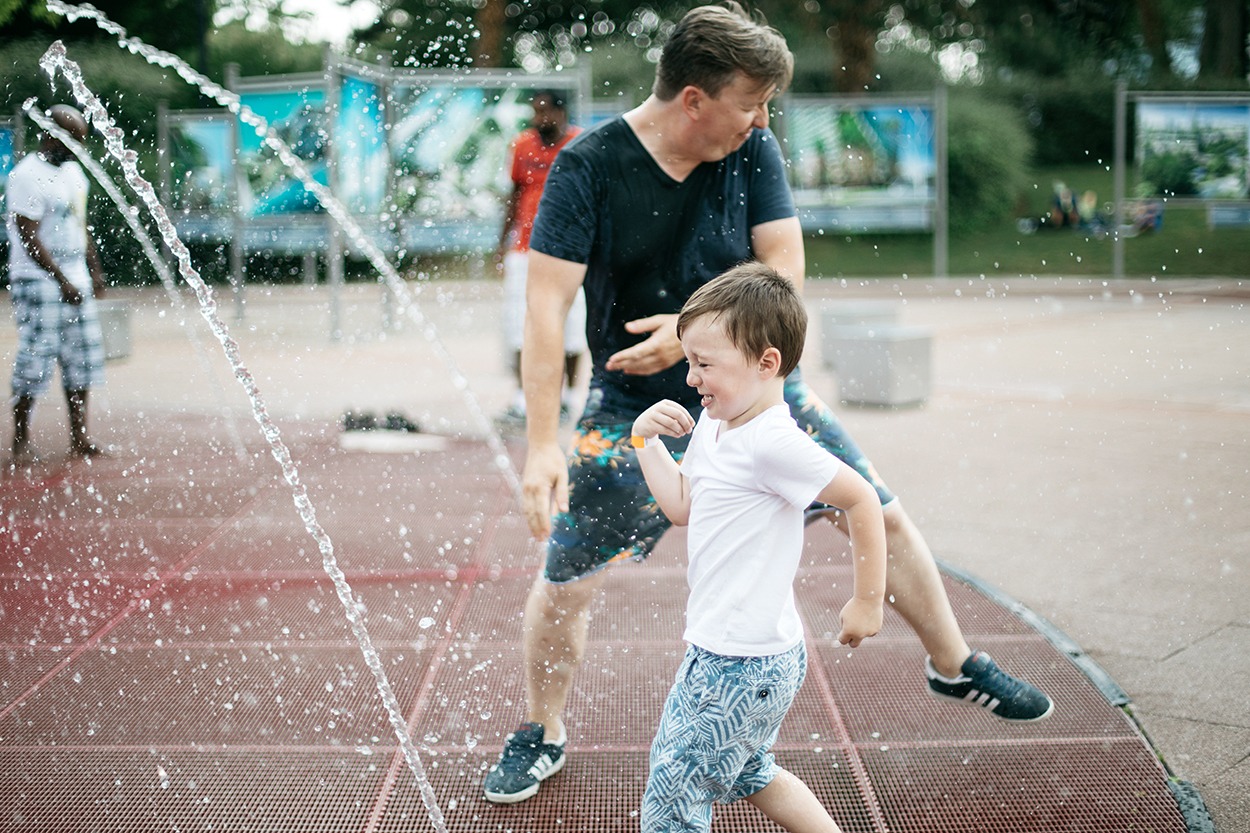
column 8, row 152
column 1189, row 149
column 861, row 164
column 296, row 112
column 8, row 159
column 359, row 141
column 200, row 148
column 449, row 147
column 1193, row 149
column 199, row 177
column 420, row 158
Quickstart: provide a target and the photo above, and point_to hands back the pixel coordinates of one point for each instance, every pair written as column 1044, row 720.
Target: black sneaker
column 395, row 421
column 525, row 763
column 512, row 419
column 982, row 683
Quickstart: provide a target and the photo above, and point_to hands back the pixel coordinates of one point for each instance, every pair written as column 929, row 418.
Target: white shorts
column 515, row 267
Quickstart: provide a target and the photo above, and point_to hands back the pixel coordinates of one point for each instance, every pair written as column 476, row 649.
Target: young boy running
column 742, row 487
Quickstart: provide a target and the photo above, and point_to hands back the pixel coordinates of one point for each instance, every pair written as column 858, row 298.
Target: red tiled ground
column 174, row 657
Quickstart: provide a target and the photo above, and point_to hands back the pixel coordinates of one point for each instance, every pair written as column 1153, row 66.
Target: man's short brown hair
column 712, row 44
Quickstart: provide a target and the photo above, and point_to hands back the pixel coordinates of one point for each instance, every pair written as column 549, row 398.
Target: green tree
column 179, row 26
column 264, row 52
column 989, row 158
column 1222, row 54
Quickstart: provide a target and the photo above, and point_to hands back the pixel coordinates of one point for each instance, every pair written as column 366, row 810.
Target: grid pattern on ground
column 602, row 791
column 174, row 657
column 126, row 790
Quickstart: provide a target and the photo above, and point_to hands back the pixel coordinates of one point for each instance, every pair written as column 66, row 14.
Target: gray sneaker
column 526, row 762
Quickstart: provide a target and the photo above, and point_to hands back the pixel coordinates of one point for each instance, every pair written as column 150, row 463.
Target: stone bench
column 835, row 314
column 115, row 325
column 881, row 364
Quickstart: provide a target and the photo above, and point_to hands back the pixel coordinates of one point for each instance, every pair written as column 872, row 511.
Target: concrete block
column 115, row 324
column 882, row 365
column 834, row 314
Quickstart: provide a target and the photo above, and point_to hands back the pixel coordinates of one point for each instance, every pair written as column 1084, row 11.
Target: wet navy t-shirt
column 648, row 241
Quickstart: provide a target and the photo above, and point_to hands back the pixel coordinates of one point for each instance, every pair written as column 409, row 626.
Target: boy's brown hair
column 712, row 44
column 757, row 308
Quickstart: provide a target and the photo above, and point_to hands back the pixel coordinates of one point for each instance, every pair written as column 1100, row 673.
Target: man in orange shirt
column 533, row 153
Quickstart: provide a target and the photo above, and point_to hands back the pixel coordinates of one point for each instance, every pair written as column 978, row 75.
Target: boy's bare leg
column 787, row 801
column 556, row 620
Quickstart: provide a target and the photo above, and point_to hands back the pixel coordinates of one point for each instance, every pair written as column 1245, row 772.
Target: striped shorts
column 52, row 332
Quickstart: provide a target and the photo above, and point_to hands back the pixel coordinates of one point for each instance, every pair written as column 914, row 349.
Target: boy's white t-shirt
column 55, row 196
column 749, row 488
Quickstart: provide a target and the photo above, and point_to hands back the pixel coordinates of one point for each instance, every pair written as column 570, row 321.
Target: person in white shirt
column 56, row 275
column 742, row 487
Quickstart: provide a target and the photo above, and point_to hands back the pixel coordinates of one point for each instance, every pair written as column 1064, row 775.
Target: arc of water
column 56, row 59
column 397, row 285
column 130, row 214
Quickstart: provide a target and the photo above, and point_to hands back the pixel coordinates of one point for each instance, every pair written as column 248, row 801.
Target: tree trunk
column 1155, row 38
column 488, row 51
column 1223, row 50
column 855, row 25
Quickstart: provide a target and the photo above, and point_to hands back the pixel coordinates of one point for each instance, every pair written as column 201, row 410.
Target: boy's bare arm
column 850, row 492
column 668, row 485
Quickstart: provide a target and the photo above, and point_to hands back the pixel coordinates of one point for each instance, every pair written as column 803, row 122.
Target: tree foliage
column 989, row 160
column 178, row 26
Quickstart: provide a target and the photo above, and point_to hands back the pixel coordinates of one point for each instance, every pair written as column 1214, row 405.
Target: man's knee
column 566, row 601
column 898, row 524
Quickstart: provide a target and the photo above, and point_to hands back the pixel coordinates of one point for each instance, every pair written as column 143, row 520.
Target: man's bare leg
column 915, row 585
column 914, row 588
column 79, row 444
column 22, row 407
column 556, row 620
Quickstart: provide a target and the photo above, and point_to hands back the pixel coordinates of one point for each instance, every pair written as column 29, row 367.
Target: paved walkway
column 1084, row 451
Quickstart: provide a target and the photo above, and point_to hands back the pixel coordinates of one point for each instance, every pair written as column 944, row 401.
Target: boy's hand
column 664, row 417
column 861, row 619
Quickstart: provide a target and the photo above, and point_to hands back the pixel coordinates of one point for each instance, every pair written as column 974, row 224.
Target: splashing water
column 394, row 282
column 130, row 214
column 54, row 60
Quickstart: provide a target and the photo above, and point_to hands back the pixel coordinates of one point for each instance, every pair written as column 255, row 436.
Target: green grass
column 1183, row 247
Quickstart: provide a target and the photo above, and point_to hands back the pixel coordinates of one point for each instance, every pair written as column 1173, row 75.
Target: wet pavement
column 176, row 658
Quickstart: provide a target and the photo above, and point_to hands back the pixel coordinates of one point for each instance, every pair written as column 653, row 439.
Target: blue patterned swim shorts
column 719, row 722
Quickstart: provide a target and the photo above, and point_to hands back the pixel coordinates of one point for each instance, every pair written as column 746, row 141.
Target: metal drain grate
column 599, row 791
column 233, row 698
column 1039, row 786
column 139, row 790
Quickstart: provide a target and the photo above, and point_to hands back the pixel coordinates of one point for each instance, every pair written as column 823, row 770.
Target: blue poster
column 861, row 165
column 860, row 152
column 450, row 144
column 360, row 146
column 6, row 157
column 266, row 186
column 1193, row 149
column 200, row 167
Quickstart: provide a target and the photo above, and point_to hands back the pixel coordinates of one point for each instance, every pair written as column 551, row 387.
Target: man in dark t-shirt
column 641, row 211
column 649, row 240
